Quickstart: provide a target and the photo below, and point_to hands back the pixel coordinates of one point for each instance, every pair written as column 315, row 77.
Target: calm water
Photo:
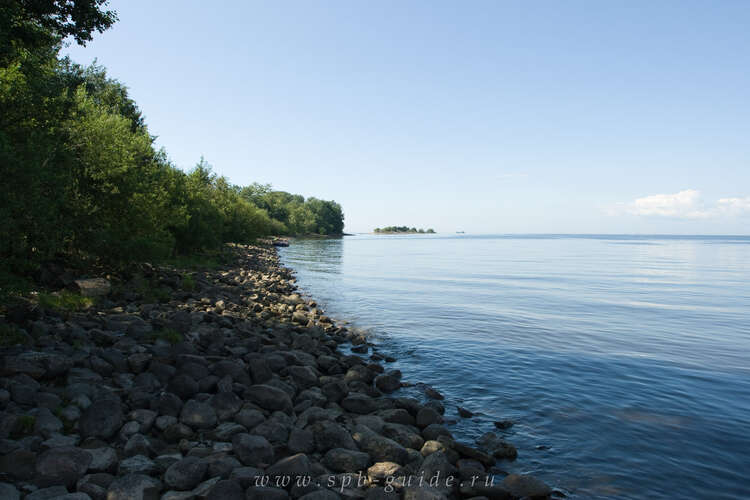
column 624, row 361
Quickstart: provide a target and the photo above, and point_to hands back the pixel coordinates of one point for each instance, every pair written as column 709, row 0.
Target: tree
column 33, row 24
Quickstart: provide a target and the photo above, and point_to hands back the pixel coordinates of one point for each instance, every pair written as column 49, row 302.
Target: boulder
column 93, row 287
column 290, row 467
column 226, row 489
column 380, row 448
column 198, row 415
column 62, row 465
column 185, row 474
column 388, row 382
column 102, row 419
column 9, row 492
column 134, row 487
column 328, row 434
column 343, row 460
column 269, row 397
column 254, row 451
column 524, row 485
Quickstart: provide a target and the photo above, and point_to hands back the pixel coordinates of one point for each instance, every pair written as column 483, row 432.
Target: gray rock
column 249, row 418
column 137, row 464
column 176, row 432
column 428, row 416
column 184, row 386
column 423, row 493
column 274, row 430
column 432, row 393
column 290, row 467
column 22, row 393
column 301, row 441
column 343, row 460
column 246, row 476
column 225, row 431
column 164, row 421
column 379, row 493
column 220, row 465
column 226, row 405
column 18, row 464
column 433, row 431
column 46, row 493
column 95, row 485
column 57, row 440
column 185, row 474
column 138, row 362
column 134, row 487
column 63, row 465
column 359, row 403
column 496, row 446
column 226, row 490
column 473, row 453
column 404, row 435
column 9, row 492
column 303, row 376
column 437, row 464
column 321, row 495
column 380, row 448
column 328, row 435
column 74, row 496
column 523, row 485
column 70, row 413
column 198, row 415
column 199, row 492
column 388, row 382
column 269, row 397
column 335, row 391
column 169, row 404
column 397, row 416
column 93, row 287
column 259, row 370
column 144, row 417
column 265, row 493
column 254, row 451
column 102, row 419
column 138, row 444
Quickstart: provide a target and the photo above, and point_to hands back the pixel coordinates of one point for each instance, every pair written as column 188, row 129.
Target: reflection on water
column 624, row 361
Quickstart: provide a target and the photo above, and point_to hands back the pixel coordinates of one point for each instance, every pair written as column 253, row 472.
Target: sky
column 485, row 117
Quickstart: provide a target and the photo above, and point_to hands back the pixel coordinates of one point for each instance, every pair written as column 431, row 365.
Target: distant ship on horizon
column 460, row 232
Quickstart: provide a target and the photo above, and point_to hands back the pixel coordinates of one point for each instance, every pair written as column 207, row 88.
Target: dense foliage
column 81, row 175
column 403, row 229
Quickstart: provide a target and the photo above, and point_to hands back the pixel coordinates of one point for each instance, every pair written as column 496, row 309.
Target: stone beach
column 230, row 386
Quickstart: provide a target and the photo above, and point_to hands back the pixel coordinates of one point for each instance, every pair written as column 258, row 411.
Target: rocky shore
column 226, row 384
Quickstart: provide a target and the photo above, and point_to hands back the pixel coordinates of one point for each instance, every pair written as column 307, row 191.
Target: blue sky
column 508, row 117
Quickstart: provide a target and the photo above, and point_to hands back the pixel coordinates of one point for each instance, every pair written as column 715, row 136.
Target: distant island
column 402, row 230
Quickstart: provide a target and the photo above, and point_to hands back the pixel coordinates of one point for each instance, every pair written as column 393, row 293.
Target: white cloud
column 734, row 206
column 686, row 204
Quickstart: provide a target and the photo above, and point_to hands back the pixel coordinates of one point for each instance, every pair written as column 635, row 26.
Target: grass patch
column 11, row 335
column 169, row 334
column 149, row 290
column 23, row 426
column 188, row 282
column 65, row 301
column 206, row 260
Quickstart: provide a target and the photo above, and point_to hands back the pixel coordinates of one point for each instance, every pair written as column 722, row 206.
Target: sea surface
column 624, row 361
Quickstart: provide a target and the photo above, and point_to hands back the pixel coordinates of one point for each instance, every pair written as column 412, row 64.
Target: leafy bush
column 64, row 301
